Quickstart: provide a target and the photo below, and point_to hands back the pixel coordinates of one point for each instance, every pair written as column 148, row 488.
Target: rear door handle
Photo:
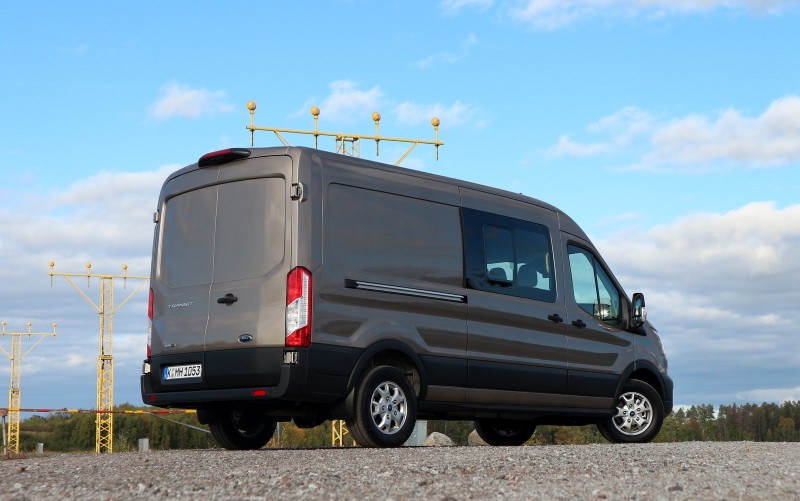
column 555, row 318
column 228, row 300
column 580, row 324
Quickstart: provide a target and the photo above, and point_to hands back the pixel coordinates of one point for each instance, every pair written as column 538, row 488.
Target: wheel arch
column 396, row 354
column 646, row 372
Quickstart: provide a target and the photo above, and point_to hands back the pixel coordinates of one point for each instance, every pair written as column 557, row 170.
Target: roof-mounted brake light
column 222, row 156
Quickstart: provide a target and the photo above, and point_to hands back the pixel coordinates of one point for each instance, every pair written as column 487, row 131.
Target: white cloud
column 440, row 58
column 623, row 127
column 771, row 395
column 697, row 142
column 75, row 361
column 346, row 103
column 773, row 138
column 554, row 14
column 722, row 289
column 569, row 148
column 178, row 100
column 105, row 219
column 757, row 240
column 458, row 113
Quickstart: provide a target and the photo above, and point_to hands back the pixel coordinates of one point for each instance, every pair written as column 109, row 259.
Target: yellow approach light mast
column 346, row 144
column 105, row 361
column 15, row 391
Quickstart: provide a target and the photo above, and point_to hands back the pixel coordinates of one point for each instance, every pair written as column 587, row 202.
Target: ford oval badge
column 245, row 338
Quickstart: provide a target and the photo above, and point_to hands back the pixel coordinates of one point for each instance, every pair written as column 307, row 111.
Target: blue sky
column 670, row 130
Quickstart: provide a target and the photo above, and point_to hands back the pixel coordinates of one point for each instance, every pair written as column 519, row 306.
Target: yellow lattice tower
column 104, row 438
column 15, row 392
column 338, row 432
column 346, row 144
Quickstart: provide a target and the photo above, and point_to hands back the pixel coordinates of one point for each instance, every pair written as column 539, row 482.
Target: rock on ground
column 437, row 439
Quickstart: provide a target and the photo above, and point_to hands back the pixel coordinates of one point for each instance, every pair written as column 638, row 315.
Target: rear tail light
column 149, row 323
column 298, row 308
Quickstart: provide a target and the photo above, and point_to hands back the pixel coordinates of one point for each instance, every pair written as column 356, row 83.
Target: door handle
column 555, row 318
column 580, row 324
column 228, row 300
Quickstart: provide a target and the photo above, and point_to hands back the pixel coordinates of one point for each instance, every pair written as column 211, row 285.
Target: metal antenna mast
column 14, row 392
column 104, row 438
column 346, row 144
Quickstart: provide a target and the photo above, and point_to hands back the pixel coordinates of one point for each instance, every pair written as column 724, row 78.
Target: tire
column 385, row 409
column 639, row 415
column 236, row 429
column 504, row 432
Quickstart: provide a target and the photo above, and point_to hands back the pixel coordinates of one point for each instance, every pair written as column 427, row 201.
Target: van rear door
column 183, row 267
column 247, row 304
column 220, row 289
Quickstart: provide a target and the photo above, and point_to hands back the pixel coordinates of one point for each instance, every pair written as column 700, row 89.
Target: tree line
column 67, row 432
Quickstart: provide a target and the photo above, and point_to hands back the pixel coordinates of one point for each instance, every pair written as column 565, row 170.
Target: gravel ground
column 740, row 470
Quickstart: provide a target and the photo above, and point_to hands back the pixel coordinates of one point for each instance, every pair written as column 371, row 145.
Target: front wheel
column 385, row 409
column 638, row 416
column 504, row 432
column 237, row 429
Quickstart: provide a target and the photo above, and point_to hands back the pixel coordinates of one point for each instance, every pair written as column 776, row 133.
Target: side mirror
column 639, row 313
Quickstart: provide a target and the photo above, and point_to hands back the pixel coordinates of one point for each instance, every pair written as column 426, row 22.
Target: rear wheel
column 638, row 416
column 237, row 429
column 504, row 432
column 385, row 409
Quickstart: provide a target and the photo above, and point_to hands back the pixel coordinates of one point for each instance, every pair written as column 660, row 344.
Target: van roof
column 566, row 223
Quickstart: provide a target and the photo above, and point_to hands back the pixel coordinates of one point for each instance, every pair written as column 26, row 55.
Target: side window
column 508, row 256
column 592, row 288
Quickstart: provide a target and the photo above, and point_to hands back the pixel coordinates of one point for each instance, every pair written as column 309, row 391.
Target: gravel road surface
column 731, row 471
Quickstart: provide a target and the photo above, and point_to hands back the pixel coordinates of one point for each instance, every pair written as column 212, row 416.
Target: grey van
column 294, row 284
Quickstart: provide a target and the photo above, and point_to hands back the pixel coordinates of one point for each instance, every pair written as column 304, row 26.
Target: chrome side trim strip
column 405, row 291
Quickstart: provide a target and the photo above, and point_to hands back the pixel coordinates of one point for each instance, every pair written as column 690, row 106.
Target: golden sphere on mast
column 251, row 105
column 315, row 111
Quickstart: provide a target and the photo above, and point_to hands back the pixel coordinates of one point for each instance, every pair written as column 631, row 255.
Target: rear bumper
column 257, row 376
column 253, row 374
column 201, row 398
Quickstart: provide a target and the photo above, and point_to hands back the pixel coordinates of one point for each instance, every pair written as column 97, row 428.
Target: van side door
column 600, row 347
column 517, row 347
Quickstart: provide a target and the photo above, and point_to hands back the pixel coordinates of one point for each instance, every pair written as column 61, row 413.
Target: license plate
column 182, row 372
